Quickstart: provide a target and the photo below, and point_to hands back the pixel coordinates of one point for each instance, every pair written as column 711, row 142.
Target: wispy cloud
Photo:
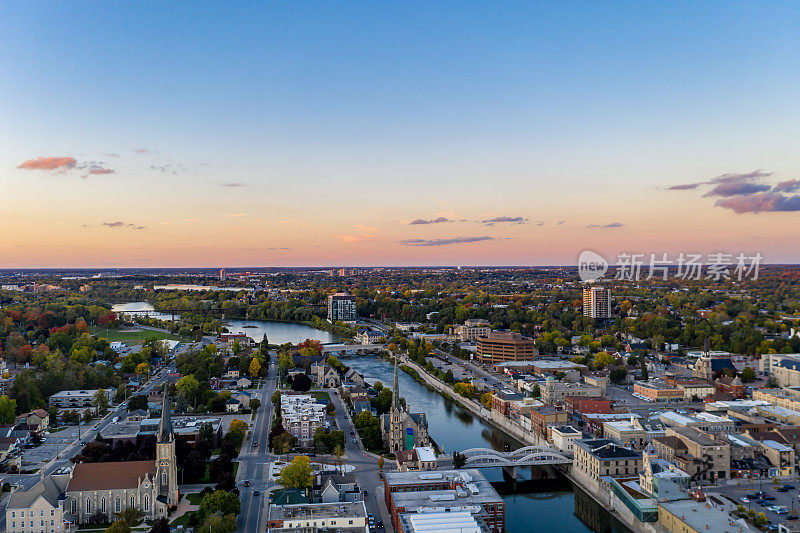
column 730, row 184
column 437, row 220
column 365, row 229
column 234, row 184
column 143, row 151
column 358, row 238
column 66, row 164
column 787, row 186
column 761, row 202
column 612, row 225
column 560, row 222
column 747, row 192
column 49, row 163
column 120, row 224
column 236, row 215
column 444, row 242
column 500, row 220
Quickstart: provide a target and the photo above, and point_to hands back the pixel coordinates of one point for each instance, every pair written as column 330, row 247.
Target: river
column 277, row 332
column 538, row 505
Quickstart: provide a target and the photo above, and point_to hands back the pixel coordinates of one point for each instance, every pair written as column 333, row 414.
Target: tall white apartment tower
column 597, row 302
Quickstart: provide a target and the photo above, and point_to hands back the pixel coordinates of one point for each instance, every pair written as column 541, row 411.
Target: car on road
column 791, row 517
column 246, row 482
column 788, row 487
column 380, row 525
column 256, row 493
column 355, row 441
column 255, row 445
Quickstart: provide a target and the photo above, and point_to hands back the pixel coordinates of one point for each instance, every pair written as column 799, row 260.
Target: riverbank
column 602, row 497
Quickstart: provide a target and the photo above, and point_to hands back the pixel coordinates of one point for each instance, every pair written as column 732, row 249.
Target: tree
column 645, row 374
column 297, row 474
column 219, row 502
column 255, row 403
column 381, row 462
column 449, row 378
column 459, row 460
column 218, row 524
column 748, row 375
column 377, row 386
column 137, row 402
column 118, row 526
column 255, row 367
column 130, row 515
column 602, row 360
column 100, row 402
column 237, row 426
column 8, row 410
column 536, row 391
column 142, row 368
column 301, row 383
column 160, row 526
column 188, row 386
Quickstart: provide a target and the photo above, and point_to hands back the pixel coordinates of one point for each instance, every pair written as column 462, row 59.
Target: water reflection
column 532, row 503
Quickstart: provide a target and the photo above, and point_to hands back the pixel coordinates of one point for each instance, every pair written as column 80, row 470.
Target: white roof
column 461, row 521
column 426, row 453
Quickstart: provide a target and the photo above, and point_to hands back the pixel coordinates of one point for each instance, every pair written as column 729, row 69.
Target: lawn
column 321, row 395
column 133, row 334
column 183, row 520
column 194, row 498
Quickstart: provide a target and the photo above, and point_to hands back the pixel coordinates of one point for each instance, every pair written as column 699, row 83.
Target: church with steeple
column 401, row 429
column 104, row 489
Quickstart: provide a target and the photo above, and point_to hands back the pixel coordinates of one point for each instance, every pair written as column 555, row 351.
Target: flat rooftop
column 701, row 518
column 317, row 511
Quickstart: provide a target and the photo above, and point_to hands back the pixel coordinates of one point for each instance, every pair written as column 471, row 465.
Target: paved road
column 253, row 461
column 366, row 465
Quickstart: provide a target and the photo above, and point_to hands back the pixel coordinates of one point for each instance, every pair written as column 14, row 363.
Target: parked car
column 744, row 499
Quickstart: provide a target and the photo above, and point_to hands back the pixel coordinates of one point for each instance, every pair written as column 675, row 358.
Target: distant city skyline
column 356, row 134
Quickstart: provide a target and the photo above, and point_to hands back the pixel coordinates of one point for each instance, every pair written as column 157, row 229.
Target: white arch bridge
column 527, row 456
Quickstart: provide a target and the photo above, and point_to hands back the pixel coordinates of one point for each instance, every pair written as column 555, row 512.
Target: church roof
column 109, row 476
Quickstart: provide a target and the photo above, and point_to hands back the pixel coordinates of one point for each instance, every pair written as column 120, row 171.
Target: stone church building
column 403, row 430
column 108, row 488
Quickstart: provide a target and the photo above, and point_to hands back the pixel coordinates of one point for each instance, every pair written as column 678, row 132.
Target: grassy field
column 321, row 395
column 132, row 335
column 194, row 498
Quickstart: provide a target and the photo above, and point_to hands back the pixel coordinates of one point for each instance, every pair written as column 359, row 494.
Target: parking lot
column 789, row 500
column 34, row 457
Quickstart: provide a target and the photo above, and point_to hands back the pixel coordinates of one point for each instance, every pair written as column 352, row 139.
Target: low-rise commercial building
column 76, row 399
column 657, row 391
column 564, row 438
column 446, row 491
column 503, row 346
column 347, row 517
column 596, row 458
column 555, row 392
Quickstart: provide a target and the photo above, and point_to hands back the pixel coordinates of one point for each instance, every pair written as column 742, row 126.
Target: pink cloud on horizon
column 48, row 163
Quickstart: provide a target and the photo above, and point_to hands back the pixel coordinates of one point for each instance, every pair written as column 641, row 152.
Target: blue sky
column 584, row 112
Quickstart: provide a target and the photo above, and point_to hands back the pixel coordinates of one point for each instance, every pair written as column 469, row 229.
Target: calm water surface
column 277, row 332
column 531, row 505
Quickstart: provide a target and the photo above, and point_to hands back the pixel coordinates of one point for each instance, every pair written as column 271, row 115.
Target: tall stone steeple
column 396, row 416
column 166, row 462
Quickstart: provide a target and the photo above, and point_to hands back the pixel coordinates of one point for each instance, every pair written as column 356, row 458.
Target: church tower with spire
column 166, row 463
column 396, row 417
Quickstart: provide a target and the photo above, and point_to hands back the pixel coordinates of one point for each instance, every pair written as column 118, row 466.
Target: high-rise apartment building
column 342, row 308
column 597, row 302
column 222, row 274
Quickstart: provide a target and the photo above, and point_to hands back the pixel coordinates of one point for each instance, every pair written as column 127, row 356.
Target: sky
column 152, row 134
